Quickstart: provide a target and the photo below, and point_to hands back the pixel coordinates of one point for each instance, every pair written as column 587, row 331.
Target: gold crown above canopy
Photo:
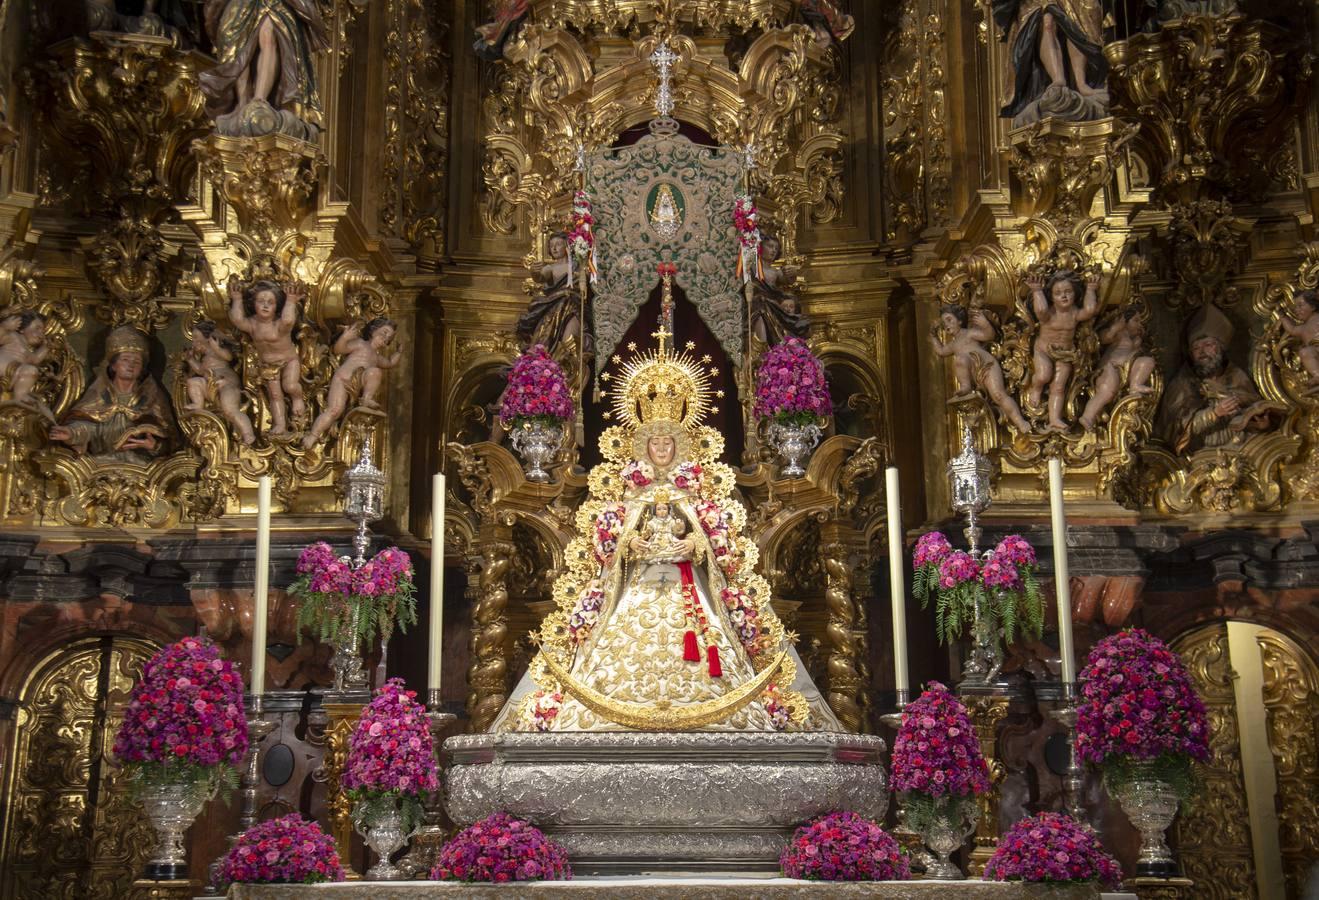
column 660, row 386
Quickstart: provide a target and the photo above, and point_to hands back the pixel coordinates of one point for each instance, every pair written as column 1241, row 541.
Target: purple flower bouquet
column 843, row 846
column 500, row 848
column 1003, row 583
column 937, row 765
column 391, row 758
column 1138, row 706
column 336, row 598
column 1052, row 847
column 287, row 850
column 537, row 391
column 790, row 385
column 185, row 722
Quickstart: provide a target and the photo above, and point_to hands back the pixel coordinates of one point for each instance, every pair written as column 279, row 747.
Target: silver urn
column 538, row 444
column 794, row 444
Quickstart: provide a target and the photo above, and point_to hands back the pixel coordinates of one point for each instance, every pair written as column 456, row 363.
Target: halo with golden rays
column 660, row 385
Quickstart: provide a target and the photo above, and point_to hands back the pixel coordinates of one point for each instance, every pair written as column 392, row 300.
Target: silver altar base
column 639, row 802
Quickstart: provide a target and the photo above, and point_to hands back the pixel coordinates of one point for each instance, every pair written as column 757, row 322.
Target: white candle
column 1062, row 585
column 437, row 582
column 897, row 585
column 262, row 587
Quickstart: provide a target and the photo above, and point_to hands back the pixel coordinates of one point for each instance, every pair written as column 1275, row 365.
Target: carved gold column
column 487, row 677
column 837, row 546
column 987, row 711
column 338, row 719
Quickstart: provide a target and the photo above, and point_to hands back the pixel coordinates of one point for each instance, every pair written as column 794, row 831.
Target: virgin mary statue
column 661, row 623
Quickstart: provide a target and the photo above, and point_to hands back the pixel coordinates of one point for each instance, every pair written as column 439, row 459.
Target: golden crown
column 125, row 339
column 660, row 386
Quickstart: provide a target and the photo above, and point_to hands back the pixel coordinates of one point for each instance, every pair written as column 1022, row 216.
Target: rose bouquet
column 287, row 850
column 791, row 387
column 340, row 602
column 185, row 722
column 937, row 765
column 391, row 760
column 1004, row 583
column 1052, row 847
column 843, row 846
column 1138, row 706
column 501, row 848
column 581, row 234
column 537, row 391
column 746, row 219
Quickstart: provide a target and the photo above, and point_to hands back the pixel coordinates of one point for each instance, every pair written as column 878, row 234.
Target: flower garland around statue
column 937, row 764
column 1052, row 847
column 791, row 387
column 287, row 850
column 340, row 602
column 500, row 849
column 391, row 758
column 537, row 391
column 746, row 219
column 1004, row 583
column 185, row 723
column 581, row 233
column 843, row 846
column 1138, row 706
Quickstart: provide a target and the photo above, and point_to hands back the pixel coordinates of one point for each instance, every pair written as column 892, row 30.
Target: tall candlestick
column 437, row 584
column 897, row 586
column 262, row 588
column 1062, row 585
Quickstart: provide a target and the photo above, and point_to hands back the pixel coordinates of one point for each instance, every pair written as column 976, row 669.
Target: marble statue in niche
column 23, row 350
column 265, row 78
column 1055, row 59
column 775, row 308
column 974, row 367
column 1123, row 364
column 1211, row 401
column 1054, row 354
column 267, row 312
column 359, row 374
column 124, row 416
column 212, row 382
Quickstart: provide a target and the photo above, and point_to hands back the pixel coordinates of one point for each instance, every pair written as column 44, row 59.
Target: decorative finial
column 749, row 156
column 364, row 495
column 579, row 163
column 663, row 59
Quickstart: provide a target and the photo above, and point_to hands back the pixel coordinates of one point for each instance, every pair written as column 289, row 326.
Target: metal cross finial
column 663, row 59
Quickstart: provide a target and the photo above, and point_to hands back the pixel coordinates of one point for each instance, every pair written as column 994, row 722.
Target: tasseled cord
column 712, row 652
column 690, row 652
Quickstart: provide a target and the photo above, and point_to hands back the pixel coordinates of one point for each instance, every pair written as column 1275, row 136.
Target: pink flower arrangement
column 501, row 848
column 382, row 592
column 790, row 385
column 843, row 846
column 638, row 473
column 746, row 220
column 185, row 720
column 537, row 391
column 608, row 524
column 581, row 234
column 718, row 528
column 287, row 850
column 931, row 549
column 1052, row 847
column 687, row 477
column 390, row 754
column 1138, row 705
column 744, row 615
column 936, row 752
column 545, row 706
column 957, row 568
column 1003, row 583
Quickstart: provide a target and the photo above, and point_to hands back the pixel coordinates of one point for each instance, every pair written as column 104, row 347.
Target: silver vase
column 794, row 444
column 944, row 834
column 538, row 444
column 381, row 826
column 1151, row 805
column 171, row 810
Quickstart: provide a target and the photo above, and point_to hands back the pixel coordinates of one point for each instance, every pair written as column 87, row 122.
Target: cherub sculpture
column 1123, row 363
column 1055, row 344
column 267, row 312
column 23, row 348
column 359, row 374
column 213, row 381
column 1303, row 325
column 973, row 365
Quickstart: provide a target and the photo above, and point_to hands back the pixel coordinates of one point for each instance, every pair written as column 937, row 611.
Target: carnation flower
column 391, row 758
column 936, row 739
column 931, row 549
column 791, row 386
column 537, row 390
column 843, row 846
column 1052, row 847
column 287, row 850
column 501, row 849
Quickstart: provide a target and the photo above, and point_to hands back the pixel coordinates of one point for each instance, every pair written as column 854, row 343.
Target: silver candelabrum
column 364, row 501
column 969, row 476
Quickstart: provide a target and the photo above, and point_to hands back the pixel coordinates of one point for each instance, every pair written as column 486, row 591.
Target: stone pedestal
column 634, row 802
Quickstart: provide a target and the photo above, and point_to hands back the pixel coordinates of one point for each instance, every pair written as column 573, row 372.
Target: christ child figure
column 359, row 373
column 973, row 365
column 661, row 537
column 267, row 312
column 1303, row 325
column 23, row 348
column 213, row 379
column 1123, row 362
column 1055, row 345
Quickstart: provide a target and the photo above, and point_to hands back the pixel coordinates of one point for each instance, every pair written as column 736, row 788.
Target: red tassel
column 690, row 653
column 716, row 671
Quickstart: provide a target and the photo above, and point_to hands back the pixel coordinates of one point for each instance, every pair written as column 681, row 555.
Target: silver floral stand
column 630, row 802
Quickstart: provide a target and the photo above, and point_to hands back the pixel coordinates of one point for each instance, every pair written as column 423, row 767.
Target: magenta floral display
column 338, row 600
column 185, row 722
column 500, row 849
column 537, row 391
column 790, row 385
column 1138, row 706
column 843, row 846
column 1003, row 583
column 1052, row 847
column 287, row 850
column 937, row 764
column 391, row 759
